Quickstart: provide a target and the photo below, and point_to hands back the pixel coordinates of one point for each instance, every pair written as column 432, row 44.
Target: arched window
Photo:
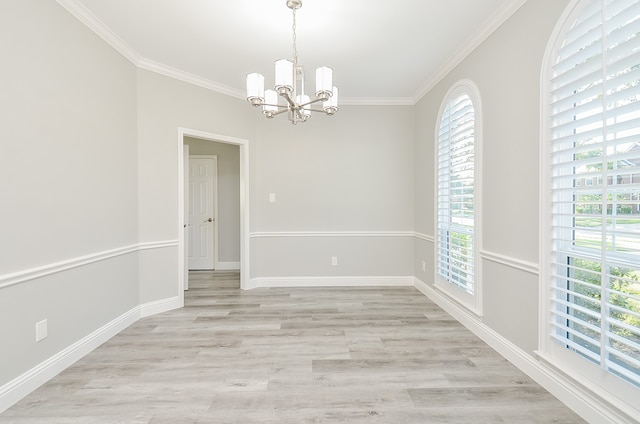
column 590, row 260
column 457, row 203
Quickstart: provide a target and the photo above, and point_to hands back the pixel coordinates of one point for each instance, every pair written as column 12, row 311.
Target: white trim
column 18, row 277
column 615, row 409
column 16, row 389
column 401, row 281
column 228, row 266
column 472, row 301
column 245, row 218
column 526, row 266
column 160, row 306
column 276, row 234
column 522, row 265
column 183, row 76
column 425, row 237
column 376, row 101
column 21, row 386
column 579, row 398
column 81, row 13
column 485, row 30
column 157, row 244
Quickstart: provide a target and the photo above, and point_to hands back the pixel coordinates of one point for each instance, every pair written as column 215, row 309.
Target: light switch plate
column 41, row 330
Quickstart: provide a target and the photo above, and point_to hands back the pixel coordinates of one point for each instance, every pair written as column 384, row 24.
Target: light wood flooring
column 280, row 356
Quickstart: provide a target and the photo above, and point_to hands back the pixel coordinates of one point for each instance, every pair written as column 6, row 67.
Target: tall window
column 593, row 154
column 456, row 206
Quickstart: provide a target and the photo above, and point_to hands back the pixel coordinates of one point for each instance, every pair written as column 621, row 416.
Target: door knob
column 209, row 220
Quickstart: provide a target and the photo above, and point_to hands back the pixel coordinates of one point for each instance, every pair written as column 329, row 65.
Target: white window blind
column 595, row 188
column 456, row 170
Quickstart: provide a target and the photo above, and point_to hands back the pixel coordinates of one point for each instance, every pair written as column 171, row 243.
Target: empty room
column 320, row 211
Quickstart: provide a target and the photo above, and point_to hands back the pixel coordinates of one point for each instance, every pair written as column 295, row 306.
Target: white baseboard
column 228, row 266
column 21, row 386
column 579, row 398
column 331, row 282
column 13, row 391
column 160, row 306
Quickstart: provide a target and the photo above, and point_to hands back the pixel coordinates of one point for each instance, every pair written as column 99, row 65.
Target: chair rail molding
column 18, row 277
column 522, row 265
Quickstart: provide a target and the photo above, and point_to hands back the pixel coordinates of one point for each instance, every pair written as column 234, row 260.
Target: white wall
column 164, row 105
column 228, row 195
column 352, row 172
column 349, row 173
column 68, row 183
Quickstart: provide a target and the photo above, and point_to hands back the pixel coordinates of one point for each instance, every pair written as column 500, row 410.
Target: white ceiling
column 382, row 52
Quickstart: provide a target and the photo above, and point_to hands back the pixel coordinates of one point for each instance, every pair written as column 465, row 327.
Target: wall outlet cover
column 41, row 330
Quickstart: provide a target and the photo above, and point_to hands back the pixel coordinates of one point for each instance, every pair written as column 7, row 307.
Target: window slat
column 594, row 187
column 456, row 169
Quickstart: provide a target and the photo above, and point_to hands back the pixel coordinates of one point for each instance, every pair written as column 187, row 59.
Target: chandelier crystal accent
column 289, row 84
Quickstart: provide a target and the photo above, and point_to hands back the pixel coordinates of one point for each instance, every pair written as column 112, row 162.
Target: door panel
column 186, row 228
column 201, row 212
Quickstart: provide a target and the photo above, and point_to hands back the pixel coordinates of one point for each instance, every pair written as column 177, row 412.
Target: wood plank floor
column 309, row 355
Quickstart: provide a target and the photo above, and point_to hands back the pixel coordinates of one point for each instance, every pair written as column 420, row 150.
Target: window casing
column 591, row 180
column 457, row 211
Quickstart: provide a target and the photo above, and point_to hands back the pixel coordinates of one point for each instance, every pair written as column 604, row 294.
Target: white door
column 202, row 173
column 185, row 163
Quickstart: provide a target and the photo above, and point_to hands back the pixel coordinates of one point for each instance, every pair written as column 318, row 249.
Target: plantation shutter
column 595, row 188
column 456, row 193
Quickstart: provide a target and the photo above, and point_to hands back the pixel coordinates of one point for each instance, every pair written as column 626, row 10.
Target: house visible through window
column 593, row 278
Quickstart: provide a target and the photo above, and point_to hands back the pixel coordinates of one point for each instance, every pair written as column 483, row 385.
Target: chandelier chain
column 295, row 50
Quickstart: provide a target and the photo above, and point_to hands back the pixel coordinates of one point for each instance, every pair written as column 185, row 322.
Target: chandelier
column 289, row 84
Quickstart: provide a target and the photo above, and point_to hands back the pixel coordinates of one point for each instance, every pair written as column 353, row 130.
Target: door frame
column 244, row 202
column 185, row 232
column 215, row 204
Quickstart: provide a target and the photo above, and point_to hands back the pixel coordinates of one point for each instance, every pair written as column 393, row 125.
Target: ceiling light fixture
column 289, row 84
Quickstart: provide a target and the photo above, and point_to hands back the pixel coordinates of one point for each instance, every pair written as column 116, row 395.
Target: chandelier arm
column 289, row 100
column 274, row 105
column 279, row 112
column 315, row 100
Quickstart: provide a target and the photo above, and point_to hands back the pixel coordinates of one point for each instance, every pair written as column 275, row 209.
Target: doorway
column 243, row 147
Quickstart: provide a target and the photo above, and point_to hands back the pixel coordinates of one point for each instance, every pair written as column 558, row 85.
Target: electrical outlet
column 272, row 197
column 41, row 330
column 334, row 260
column 424, row 266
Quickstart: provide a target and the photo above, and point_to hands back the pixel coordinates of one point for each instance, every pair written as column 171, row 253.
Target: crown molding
column 97, row 26
column 490, row 25
column 84, row 15
column 373, row 101
column 180, row 75
column 80, row 12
